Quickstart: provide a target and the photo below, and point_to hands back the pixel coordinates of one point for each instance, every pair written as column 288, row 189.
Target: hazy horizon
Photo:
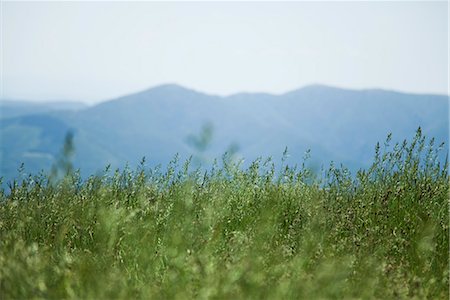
column 210, row 94
column 96, row 51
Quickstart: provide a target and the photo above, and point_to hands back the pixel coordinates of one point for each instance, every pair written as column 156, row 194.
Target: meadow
column 269, row 231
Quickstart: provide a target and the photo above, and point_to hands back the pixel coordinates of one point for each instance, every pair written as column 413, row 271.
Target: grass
column 228, row 232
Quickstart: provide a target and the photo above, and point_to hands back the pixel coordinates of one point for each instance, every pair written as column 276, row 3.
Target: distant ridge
column 171, row 88
column 178, row 88
column 15, row 108
column 340, row 125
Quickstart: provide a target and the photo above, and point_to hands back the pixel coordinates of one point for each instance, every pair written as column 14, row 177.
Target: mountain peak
column 169, row 87
column 314, row 88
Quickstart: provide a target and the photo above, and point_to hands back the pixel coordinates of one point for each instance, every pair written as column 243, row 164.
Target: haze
column 99, row 50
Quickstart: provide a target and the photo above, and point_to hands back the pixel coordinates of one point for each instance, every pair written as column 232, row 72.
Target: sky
column 94, row 51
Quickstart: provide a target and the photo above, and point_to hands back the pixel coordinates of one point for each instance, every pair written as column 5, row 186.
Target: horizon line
column 184, row 87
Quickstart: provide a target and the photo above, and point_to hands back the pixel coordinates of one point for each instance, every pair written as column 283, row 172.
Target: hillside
column 15, row 108
column 336, row 124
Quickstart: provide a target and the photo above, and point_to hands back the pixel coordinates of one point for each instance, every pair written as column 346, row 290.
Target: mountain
column 336, row 124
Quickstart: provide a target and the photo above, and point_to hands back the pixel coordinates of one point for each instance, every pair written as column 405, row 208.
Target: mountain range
column 339, row 125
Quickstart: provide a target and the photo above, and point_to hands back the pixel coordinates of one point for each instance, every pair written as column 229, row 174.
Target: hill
column 336, row 124
column 15, row 108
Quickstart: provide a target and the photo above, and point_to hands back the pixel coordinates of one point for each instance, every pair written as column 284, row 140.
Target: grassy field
column 274, row 232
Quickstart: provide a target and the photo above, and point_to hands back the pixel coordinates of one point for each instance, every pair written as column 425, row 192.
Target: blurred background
column 153, row 79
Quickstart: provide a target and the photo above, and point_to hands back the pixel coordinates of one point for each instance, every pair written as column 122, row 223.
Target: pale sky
column 93, row 51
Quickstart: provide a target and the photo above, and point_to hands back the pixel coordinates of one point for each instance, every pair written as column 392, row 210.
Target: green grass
column 263, row 232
